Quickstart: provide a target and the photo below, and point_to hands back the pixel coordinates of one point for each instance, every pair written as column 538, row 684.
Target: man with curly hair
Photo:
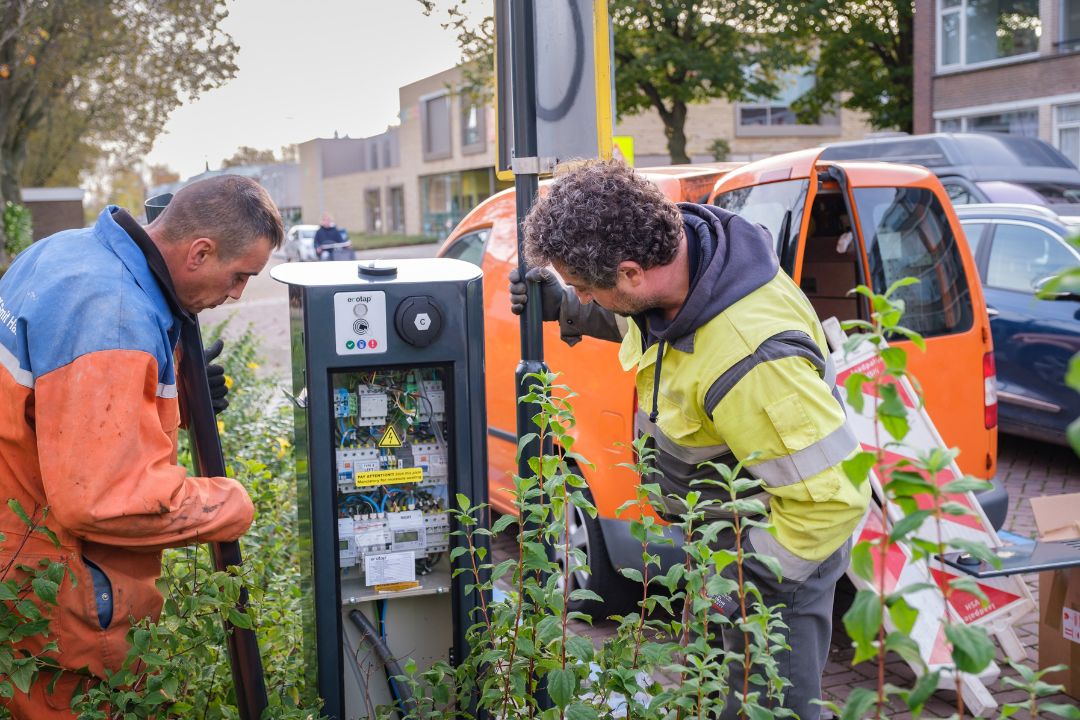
column 731, row 365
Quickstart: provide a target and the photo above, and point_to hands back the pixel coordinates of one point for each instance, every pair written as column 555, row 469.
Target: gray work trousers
column 808, row 614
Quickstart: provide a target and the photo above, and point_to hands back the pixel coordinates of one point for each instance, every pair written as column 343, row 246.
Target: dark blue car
column 1017, row 248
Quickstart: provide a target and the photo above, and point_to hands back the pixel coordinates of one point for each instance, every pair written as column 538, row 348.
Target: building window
column 1067, row 122
column 397, row 209
column 1024, row 123
column 1070, row 26
column 435, row 116
column 762, row 116
column 445, row 199
column 373, row 149
column 373, row 211
column 473, row 126
column 971, row 32
column 386, row 154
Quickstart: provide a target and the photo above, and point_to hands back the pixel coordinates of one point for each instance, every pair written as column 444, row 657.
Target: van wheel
column 619, row 594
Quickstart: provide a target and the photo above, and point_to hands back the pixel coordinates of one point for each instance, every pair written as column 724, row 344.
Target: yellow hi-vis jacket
column 756, row 378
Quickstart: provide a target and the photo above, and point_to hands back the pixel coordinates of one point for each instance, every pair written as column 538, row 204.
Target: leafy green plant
column 1070, row 280
column 25, row 590
column 720, row 149
column 18, row 228
column 911, row 483
column 521, row 647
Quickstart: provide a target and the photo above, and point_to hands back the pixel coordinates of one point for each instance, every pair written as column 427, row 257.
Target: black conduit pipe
column 393, row 669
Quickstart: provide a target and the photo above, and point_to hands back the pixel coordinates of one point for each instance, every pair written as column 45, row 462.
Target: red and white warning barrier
column 1009, row 598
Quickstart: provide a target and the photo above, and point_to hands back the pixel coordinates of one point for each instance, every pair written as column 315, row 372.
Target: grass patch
column 365, row 241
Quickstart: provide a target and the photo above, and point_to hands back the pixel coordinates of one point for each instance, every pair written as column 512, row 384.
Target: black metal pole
column 526, row 167
column 209, row 461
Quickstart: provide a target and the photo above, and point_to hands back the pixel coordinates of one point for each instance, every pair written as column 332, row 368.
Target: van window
column 469, row 247
column 907, row 234
column 767, row 205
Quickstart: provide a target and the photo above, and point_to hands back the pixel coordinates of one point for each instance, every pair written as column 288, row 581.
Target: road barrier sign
column 1009, row 599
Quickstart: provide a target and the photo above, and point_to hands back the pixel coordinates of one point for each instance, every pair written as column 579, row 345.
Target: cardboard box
column 1058, row 518
column 834, row 278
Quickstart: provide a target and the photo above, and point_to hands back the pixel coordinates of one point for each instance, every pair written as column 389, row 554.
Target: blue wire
column 389, row 677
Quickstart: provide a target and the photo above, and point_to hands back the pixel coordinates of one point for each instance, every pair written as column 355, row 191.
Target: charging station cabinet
column 390, row 425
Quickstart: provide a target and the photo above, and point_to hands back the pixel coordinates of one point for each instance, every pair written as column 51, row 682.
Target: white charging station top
column 349, row 273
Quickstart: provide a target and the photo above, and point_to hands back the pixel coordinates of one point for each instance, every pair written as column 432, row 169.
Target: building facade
column 1010, row 66
column 749, row 130
column 441, row 157
column 419, row 178
column 54, row 209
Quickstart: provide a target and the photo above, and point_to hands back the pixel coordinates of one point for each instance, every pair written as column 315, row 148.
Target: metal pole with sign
column 553, row 68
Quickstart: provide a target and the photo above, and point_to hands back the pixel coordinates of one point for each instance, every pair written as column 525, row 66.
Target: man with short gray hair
column 89, row 413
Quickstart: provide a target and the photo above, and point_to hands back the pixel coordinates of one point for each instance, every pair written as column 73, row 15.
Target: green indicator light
column 349, row 345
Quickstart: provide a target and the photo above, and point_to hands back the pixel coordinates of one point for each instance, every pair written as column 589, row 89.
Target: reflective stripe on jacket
column 755, row 378
column 88, row 427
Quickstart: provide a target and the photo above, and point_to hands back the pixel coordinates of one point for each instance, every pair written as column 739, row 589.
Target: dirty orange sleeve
column 106, row 449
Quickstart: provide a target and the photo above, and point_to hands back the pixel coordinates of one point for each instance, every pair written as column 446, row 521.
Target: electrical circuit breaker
column 390, row 360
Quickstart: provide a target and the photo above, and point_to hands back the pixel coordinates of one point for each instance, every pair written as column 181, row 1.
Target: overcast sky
column 306, row 69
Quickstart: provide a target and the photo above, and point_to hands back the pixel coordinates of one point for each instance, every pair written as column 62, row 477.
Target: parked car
column 979, row 167
column 1017, row 249
column 300, row 243
column 902, row 210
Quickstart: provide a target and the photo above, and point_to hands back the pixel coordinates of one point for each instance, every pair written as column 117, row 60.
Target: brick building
column 1009, row 66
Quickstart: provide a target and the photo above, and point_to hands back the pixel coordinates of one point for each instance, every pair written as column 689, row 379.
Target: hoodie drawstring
column 656, row 383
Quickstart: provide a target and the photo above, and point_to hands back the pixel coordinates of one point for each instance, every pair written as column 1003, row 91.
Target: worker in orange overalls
column 89, row 413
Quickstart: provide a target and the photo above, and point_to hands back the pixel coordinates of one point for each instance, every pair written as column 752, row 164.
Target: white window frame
column 940, row 117
column 427, row 154
column 1061, row 39
column 962, row 65
column 1058, row 126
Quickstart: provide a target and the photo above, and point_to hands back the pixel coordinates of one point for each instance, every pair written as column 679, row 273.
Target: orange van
column 842, row 224
column 606, row 404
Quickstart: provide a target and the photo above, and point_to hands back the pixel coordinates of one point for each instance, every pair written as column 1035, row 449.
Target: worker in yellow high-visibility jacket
column 731, row 360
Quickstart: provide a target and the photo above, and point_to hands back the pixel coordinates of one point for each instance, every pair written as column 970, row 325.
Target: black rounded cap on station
column 371, row 270
column 418, row 320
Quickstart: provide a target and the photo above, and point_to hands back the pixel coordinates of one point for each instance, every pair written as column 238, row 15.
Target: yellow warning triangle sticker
column 390, row 438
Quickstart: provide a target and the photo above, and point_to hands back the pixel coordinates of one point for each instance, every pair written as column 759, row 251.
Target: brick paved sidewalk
column 1027, row 469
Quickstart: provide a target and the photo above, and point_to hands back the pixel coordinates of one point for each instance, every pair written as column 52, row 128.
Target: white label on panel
column 360, row 322
column 386, row 568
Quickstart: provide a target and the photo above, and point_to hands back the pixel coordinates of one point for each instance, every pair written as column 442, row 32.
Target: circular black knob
column 418, row 320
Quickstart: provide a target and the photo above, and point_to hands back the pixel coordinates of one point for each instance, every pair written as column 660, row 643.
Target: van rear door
column 907, row 228
column 873, row 223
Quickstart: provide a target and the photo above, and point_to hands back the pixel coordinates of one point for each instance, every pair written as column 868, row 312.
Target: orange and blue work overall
column 88, row 428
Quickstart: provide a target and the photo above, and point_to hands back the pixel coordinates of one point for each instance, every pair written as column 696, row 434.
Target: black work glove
column 551, row 292
column 215, row 375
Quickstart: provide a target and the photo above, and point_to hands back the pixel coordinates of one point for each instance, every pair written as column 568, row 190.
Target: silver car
column 300, row 243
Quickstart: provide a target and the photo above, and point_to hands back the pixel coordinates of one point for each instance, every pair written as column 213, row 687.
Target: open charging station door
column 388, row 381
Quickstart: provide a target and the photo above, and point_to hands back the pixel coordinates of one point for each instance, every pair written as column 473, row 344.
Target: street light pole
column 526, row 167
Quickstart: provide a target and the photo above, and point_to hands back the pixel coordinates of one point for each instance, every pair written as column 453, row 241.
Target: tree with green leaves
column 246, row 155
column 86, row 78
column 861, row 51
column 669, row 54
